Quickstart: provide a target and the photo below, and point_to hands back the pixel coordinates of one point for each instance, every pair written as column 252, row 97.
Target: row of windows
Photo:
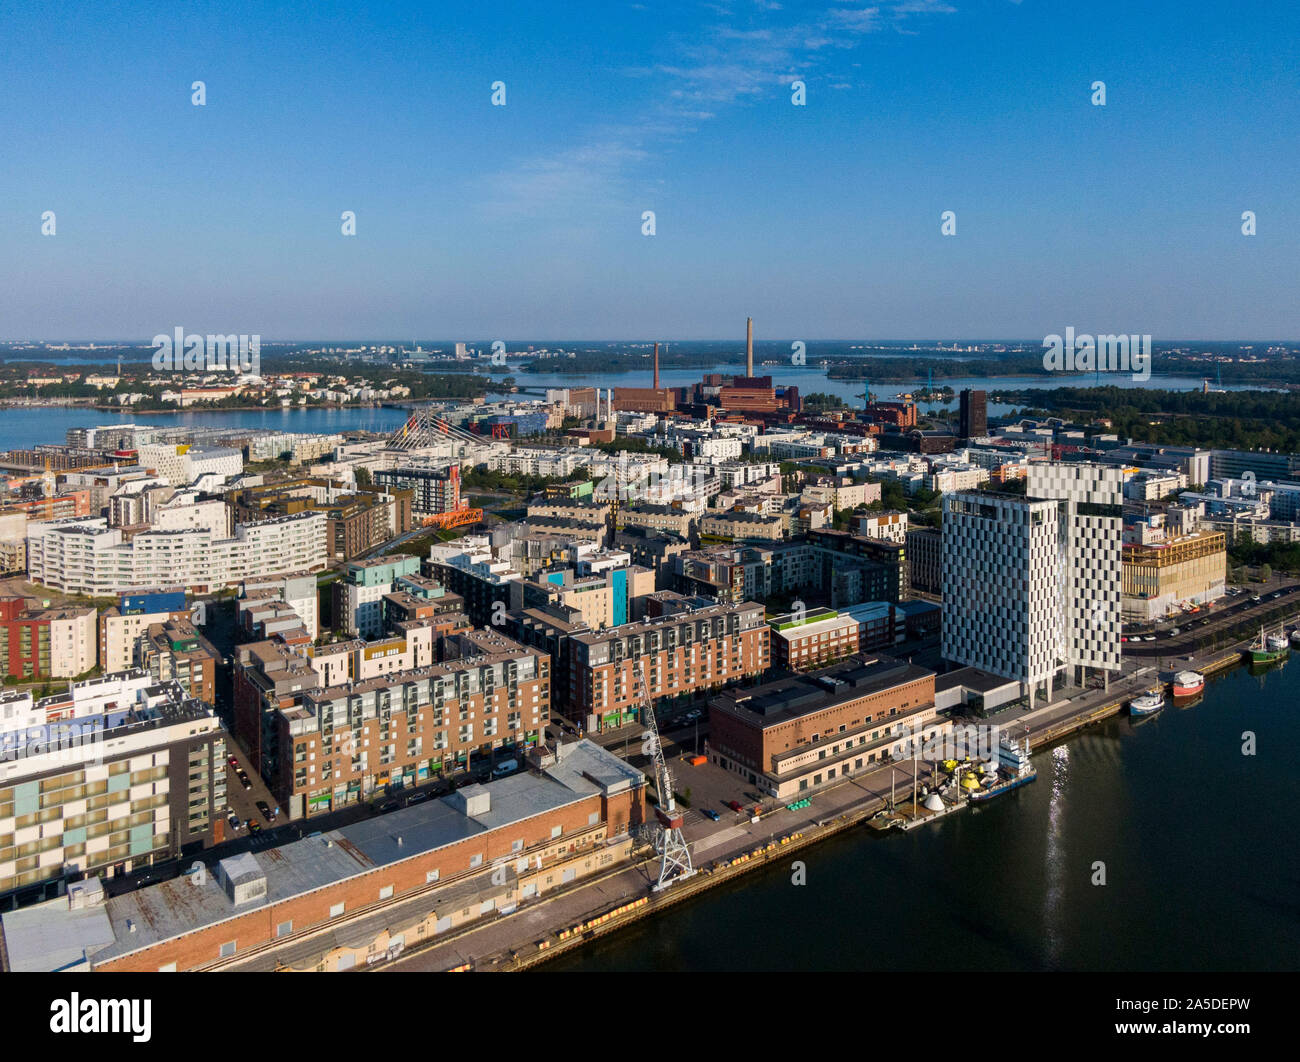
column 337, row 910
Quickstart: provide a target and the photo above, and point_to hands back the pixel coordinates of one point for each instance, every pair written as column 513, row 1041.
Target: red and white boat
column 1188, row 683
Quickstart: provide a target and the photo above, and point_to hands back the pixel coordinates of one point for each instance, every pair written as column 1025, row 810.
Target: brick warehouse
column 796, row 733
column 332, row 901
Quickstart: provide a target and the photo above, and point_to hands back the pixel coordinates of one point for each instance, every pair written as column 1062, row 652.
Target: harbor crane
column 866, row 395
column 674, row 856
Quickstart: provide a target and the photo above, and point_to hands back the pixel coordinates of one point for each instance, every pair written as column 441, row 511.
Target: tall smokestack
column 749, row 346
column 656, row 366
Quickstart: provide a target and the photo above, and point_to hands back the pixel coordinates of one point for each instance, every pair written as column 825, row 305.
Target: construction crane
column 674, row 856
column 620, row 493
column 615, row 500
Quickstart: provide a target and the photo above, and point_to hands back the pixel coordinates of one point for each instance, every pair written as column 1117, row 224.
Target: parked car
column 1149, row 638
column 234, row 762
column 254, row 827
column 245, row 781
column 735, row 805
column 387, row 806
column 416, row 798
column 235, row 823
column 265, row 809
column 709, row 813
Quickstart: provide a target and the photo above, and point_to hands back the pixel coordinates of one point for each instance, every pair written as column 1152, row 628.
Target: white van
column 505, row 767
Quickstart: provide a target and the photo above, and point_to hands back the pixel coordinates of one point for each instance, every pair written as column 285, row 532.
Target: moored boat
column 1268, row 648
column 1147, row 703
column 1188, row 683
column 1014, row 769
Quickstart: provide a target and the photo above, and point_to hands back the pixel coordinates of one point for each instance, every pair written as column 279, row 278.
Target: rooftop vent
column 242, row 878
column 88, row 893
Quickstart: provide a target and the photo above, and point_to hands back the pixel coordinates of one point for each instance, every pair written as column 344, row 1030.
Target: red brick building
column 685, row 655
column 800, row 732
column 426, row 869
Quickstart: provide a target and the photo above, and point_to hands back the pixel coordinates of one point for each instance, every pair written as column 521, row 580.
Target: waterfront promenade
column 722, row 851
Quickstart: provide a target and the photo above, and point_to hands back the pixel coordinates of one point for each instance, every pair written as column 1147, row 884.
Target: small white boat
column 1151, row 701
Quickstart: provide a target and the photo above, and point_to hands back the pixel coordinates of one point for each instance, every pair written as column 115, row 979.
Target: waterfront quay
column 740, row 842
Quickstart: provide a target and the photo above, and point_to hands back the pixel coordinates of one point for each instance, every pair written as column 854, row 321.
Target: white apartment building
column 74, row 641
column 184, row 512
column 13, row 542
column 891, row 526
column 701, row 444
column 300, row 446
column 135, row 502
column 535, row 462
column 116, row 771
column 1031, row 586
column 118, row 635
column 741, row 473
column 790, row 446
column 1152, row 486
column 181, row 465
column 297, row 590
column 955, row 477
column 848, row 495
column 86, row 556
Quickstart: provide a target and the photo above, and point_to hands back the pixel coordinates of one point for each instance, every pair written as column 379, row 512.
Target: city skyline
column 526, row 219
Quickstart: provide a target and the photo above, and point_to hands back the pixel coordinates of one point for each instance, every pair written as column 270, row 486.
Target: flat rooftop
column 971, row 678
column 792, row 696
column 50, row 935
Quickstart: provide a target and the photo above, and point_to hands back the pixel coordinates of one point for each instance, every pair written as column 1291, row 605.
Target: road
column 1277, row 604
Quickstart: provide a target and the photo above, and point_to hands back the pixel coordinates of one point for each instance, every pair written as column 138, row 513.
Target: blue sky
column 524, row 221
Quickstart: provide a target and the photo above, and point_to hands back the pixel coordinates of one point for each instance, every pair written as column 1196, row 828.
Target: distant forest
column 1244, row 420
column 615, row 362
column 1275, row 372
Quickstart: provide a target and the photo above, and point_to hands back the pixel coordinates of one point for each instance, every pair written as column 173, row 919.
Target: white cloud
column 726, row 65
